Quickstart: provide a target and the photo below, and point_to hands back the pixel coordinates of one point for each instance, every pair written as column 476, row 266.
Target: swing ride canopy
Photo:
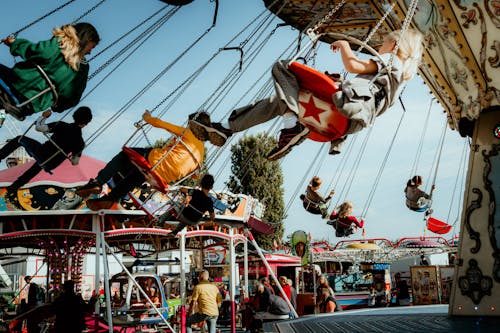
column 457, row 71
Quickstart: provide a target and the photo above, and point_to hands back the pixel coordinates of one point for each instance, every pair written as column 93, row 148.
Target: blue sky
column 387, row 215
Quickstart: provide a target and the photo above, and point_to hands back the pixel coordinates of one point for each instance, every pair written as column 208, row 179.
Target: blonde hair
column 410, row 50
column 345, row 209
column 72, row 41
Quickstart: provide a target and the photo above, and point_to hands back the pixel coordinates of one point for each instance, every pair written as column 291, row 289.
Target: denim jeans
column 199, row 317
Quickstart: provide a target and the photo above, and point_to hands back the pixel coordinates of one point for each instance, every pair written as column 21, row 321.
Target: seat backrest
column 144, row 167
column 316, row 108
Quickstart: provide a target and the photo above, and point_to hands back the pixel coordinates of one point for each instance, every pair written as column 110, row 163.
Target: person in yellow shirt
column 207, row 297
column 178, row 159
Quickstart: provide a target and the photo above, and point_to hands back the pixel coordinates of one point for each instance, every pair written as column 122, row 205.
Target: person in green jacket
column 62, row 58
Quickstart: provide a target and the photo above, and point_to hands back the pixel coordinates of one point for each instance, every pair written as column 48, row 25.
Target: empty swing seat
column 146, row 169
column 316, row 108
column 437, row 226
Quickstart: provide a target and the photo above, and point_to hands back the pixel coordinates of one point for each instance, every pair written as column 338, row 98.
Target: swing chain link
column 87, row 12
column 42, row 18
column 311, row 32
column 377, row 26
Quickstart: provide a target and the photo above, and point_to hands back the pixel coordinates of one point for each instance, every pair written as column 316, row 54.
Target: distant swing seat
column 316, row 108
column 316, row 208
column 146, row 169
column 437, row 226
column 13, row 106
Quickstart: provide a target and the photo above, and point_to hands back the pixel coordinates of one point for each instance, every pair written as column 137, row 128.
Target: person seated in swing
column 192, row 213
column 177, row 160
column 416, row 199
column 357, row 99
column 66, row 141
column 62, row 58
column 343, row 222
column 313, row 201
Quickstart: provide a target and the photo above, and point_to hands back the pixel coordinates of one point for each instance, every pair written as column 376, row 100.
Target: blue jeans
column 199, row 317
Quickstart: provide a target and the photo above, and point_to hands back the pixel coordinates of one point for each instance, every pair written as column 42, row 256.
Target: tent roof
column 65, row 175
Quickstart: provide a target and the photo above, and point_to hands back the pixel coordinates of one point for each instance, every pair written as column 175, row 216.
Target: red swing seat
column 437, row 226
column 145, row 168
column 316, row 108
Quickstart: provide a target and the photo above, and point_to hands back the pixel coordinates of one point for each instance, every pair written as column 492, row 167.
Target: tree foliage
column 254, row 175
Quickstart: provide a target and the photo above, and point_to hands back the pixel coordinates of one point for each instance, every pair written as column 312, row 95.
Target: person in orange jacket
column 182, row 158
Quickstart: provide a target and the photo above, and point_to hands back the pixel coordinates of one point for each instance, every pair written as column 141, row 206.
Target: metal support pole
column 107, row 292
column 182, row 249
column 245, row 268
column 263, row 258
column 232, row 279
column 96, row 229
column 140, row 289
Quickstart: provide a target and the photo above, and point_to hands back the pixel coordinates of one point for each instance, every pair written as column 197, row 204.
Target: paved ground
column 418, row 319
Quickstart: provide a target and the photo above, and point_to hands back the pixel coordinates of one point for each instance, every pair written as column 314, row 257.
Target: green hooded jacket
column 28, row 81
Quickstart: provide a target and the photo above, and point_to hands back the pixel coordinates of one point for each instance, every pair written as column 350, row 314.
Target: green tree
column 254, row 175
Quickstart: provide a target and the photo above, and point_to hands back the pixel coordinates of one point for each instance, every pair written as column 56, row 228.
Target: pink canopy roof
column 65, row 175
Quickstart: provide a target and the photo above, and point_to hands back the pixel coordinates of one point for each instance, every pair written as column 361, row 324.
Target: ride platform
column 417, row 319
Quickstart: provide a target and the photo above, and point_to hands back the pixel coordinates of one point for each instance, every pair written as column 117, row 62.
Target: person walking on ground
column 207, row 296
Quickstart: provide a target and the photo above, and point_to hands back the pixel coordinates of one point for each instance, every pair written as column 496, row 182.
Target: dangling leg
column 284, row 103
column 120, row 164
column 323, row 209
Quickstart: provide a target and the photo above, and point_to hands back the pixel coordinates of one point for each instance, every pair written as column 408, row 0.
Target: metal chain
column 87, row 12
column 42, row 17
column 406, row 24
column 379, row 23
column 327, row 17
